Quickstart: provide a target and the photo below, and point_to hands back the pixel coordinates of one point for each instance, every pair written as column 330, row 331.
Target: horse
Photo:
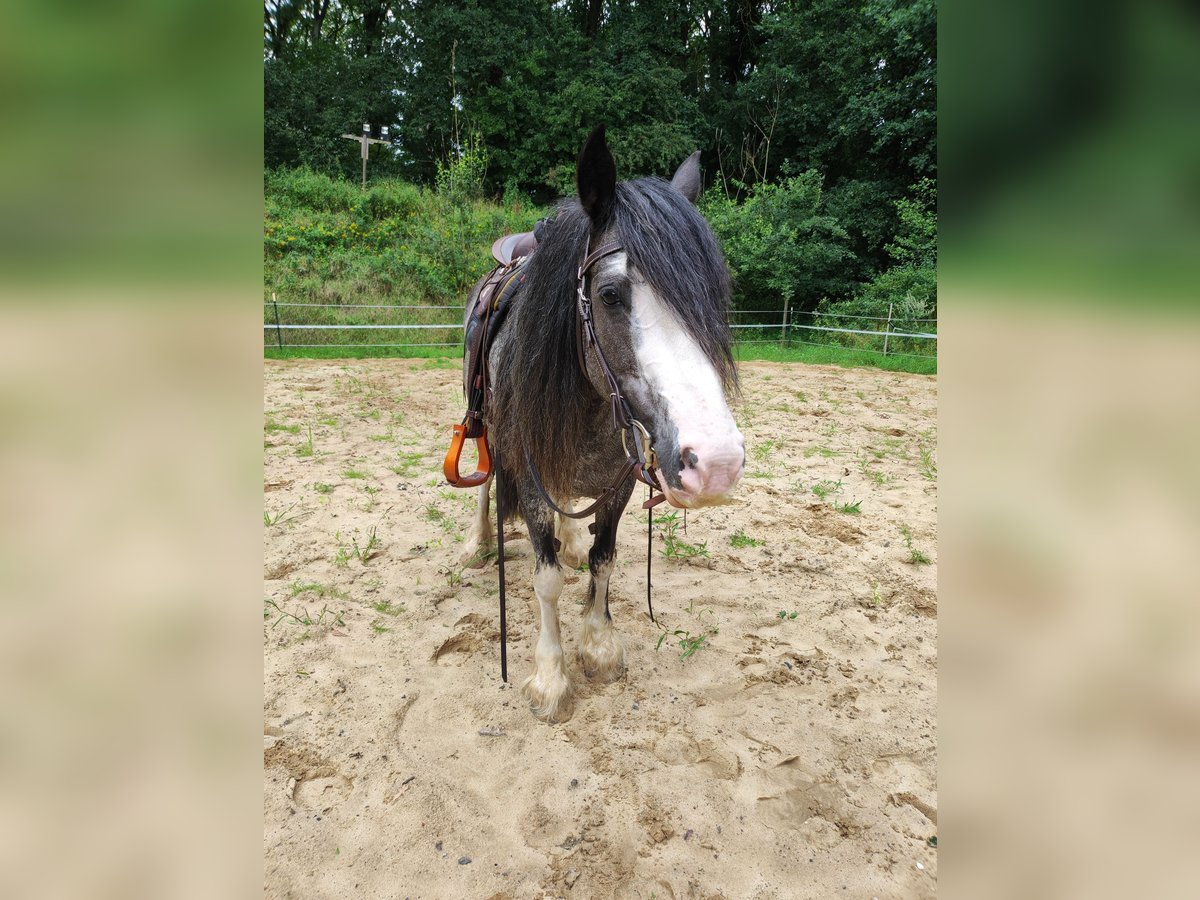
column 622, row 316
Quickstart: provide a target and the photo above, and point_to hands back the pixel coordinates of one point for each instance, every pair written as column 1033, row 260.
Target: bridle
column 641, row 461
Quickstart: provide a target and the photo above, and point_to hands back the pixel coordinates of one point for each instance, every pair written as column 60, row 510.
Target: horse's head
column 660, row 308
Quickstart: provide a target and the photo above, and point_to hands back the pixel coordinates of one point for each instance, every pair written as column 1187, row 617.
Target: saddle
column 487, row 307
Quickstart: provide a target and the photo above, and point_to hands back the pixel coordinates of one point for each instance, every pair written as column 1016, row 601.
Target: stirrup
column 450, row 467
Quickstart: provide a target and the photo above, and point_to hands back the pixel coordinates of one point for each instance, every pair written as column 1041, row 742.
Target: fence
column 295, row 326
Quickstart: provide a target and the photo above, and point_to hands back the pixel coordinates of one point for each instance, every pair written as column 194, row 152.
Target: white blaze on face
column 712, row 450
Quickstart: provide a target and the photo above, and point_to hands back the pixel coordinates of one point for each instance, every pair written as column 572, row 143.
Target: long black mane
column 542, row 402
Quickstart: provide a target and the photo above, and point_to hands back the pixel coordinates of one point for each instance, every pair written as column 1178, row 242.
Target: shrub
column 781, row 245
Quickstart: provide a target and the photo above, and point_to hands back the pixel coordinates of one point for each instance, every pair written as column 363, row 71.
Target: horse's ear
column 687, row 178
column 596, row 176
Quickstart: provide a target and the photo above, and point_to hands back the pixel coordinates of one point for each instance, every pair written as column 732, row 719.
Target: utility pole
column 366, row 141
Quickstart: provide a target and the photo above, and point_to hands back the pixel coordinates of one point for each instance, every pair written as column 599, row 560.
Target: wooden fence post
column 783, row 328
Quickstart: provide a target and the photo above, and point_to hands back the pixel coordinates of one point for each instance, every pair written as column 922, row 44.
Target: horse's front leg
column 548, row 688
column 601, row 651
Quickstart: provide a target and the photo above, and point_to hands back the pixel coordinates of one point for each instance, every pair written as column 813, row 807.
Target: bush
column 327, row 241
column 312, row 190
column 780, row 244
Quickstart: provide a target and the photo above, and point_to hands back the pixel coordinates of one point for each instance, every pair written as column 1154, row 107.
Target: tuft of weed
column 387, row 608
column 675, row 548
column 825, row 488
column 306, row 449
column 850, row 509
column 740, row 539
column 355, row 473
column 915, row 557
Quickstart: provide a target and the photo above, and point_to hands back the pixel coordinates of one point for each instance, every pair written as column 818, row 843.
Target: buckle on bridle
column 643, row 445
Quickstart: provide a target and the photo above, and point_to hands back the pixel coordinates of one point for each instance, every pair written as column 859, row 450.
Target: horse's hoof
column 604, row 667
column 602, row 658
column 549, row 695
column 475, row 558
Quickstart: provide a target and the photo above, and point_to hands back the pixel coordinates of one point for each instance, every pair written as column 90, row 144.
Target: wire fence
column 296, row 326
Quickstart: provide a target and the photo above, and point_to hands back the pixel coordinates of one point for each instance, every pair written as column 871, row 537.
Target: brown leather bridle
column 641, row 460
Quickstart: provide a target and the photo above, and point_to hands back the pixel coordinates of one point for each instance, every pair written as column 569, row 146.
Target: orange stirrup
column 450, row 466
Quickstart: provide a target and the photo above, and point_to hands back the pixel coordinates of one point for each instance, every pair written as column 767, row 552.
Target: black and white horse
column 659, row 312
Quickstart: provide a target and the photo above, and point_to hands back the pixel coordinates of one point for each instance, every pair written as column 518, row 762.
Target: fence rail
column 782, row 324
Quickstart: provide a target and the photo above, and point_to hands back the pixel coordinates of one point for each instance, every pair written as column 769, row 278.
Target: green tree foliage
column 815, row 117
column 781, row 245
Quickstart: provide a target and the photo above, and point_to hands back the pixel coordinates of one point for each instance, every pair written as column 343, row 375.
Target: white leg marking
column 601, row 651
column 548, row 689
column 479, row 540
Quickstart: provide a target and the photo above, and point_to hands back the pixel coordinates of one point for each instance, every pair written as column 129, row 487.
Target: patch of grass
column 409, row 463
column 830, row 354
column 322, row 488
column 273, row 426
column 379, row 628
column 689, row 644
column 355, row 473
column 850, row 509
column 302, row 616
column 321, row 590
column 784, row 614
column 915, row 557
column 306, row 449
column 878, row 478
column 439, row 518
column 764, row 450
column 441, row 362
column 676, row 548
column 387, row 608
column 740, row 539
column 825, row 488
column 369, row 550
column 827, row 452
column 278, row 518
column 929, row 468
column 330, row 421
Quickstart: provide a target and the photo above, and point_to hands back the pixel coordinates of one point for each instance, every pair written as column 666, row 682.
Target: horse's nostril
column 688, row 458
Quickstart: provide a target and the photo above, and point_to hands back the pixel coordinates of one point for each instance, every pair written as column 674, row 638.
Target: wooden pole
column 783, row 328
column 887, row 330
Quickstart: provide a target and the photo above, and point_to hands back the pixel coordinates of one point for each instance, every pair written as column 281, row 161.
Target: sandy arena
column 789, row 755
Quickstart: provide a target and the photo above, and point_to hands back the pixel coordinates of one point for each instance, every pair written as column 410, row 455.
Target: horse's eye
column 610, row 295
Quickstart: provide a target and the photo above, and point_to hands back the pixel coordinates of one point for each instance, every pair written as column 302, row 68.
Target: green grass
column 831, row 355
column 740, row 539
column 674, row 546
column 321, row 590
column 355, row 473
column 387, row 608
column 824, row 489
column 451, row 357
column 850, row 509
column 306, row 449
column 915, row 557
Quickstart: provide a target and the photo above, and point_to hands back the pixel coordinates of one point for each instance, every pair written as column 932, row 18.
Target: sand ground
column 787, row 757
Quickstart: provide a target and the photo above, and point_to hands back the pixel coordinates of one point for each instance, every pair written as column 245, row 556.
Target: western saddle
column 488, row 306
